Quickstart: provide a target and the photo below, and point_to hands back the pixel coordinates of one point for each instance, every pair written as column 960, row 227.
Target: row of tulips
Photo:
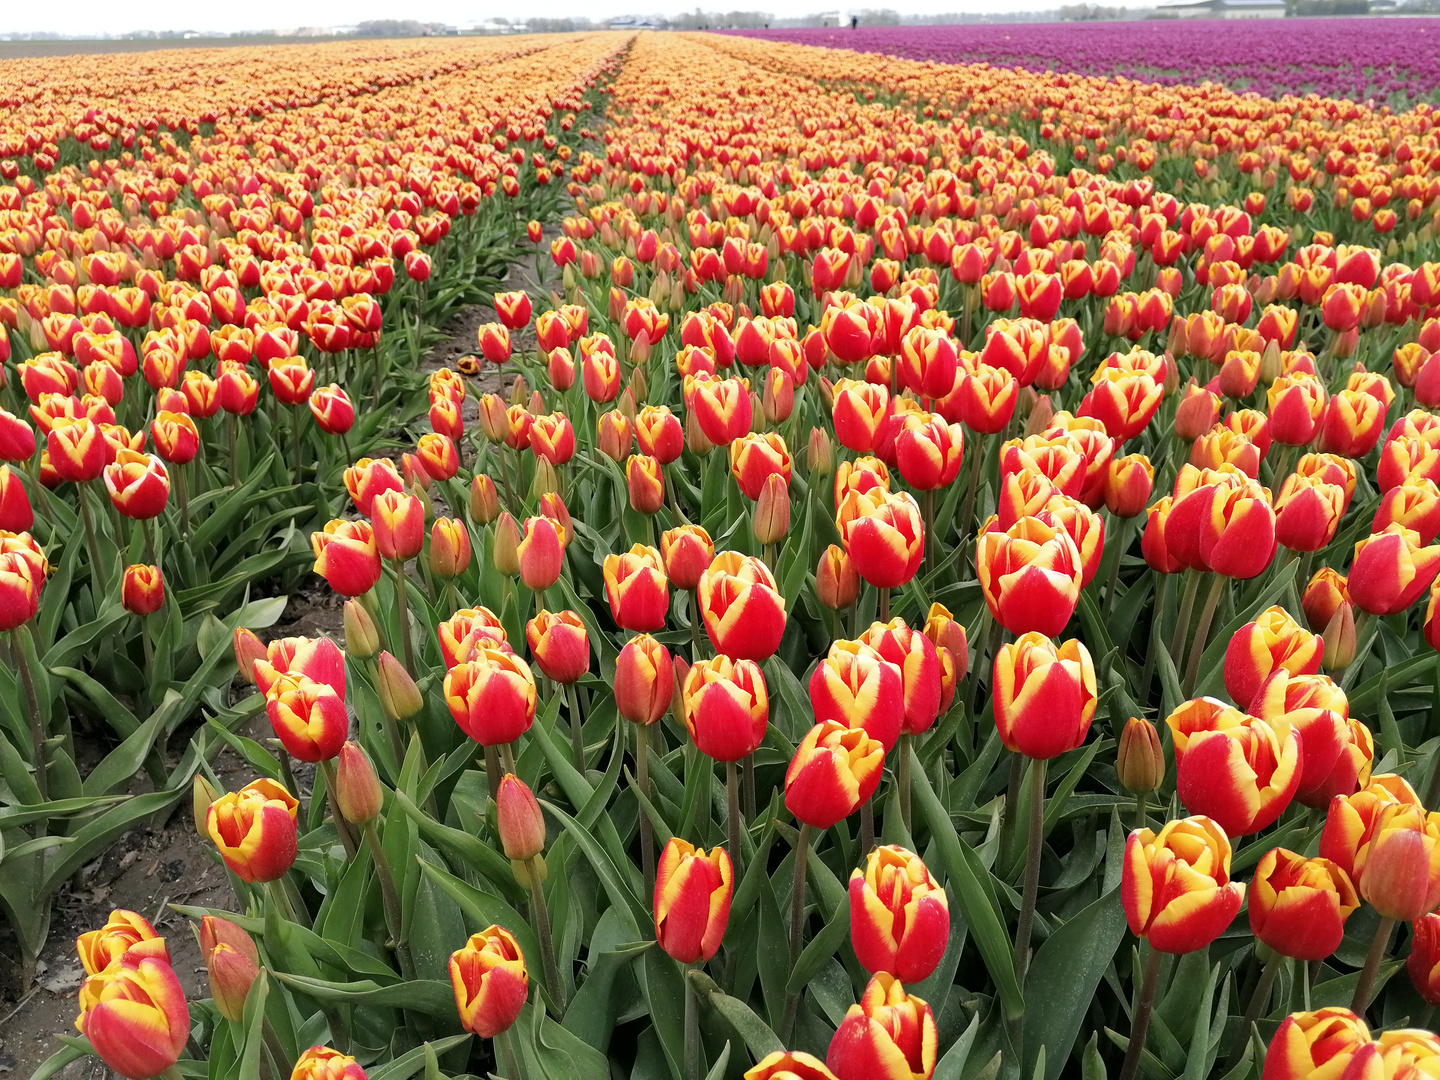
column 631, row 686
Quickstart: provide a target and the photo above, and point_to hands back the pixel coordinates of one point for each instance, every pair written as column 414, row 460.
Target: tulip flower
column 254, row 830
column 1029, row 575
column 1175, row 885
column 347, row 557
column 1044, row 697
column 889, row 1034
column 1298, row 906
column 754, row 458
column 541, row 553
column 1390, row 570
column 1274, row 640
column 899, row 916
column 370, row 477
column 134, row 1015
column 644, row 683
column 790, row 1065
column 836, row 583
column 914, row 654
column 398, row 519
column 637, row 589
column 723, row 409
column 853, row 685
column 449, row 548
column 835, row 769
column 1307, row 513
column 693, row 890
column 884, row 535
column 138, row 484
column 726, row 707
column 1423, row 964
column 309, row 717
column 491, row 696
column 645, row 483
column 323, row 1063
column 142, row 589
column 560, row 645
column 125, row 933
column 1239, row 770
column 358, row 795
column 490, row 982
column 1314, row 1045
column 741, row 607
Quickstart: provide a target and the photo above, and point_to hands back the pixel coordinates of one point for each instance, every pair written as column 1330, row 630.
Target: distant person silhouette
column 854, row 21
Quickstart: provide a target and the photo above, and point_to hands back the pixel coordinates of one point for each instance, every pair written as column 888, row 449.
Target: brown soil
column 168, row 863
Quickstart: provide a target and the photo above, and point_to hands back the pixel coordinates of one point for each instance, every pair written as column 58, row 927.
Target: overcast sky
column 91, row 17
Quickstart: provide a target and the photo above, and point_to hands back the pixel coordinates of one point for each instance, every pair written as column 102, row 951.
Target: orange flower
column 490, row 982
column 1175, row 885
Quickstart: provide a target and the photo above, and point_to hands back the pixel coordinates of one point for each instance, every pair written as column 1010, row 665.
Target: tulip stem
column 797, row 925
column 747, row 782
column 732, row 814
column 968, row 508
column 232, row 438
column 1202, row 631
column 932, row 542
column 1142, row 800
column 1182, row 617
column 577, row 737
column 1258, row 1000
column 1033, row 854
column 297, row 451
column 1141, row 1022
column 1364, row 640
column 695, row 648
column 280, row 897
column 541, row 915
column 507, row 1050
column 647, row 837
column 692, row 1025
column 1366, row 986
column 1157, row 620
column 394, row 917
column 402, row 614
column 867, row 828
column 884, row 606
column 347, row 838
column 97, row 566
column 493, row 771
column 182, row 495
column 32, row 706
column 1121, row 541
column 902, row 776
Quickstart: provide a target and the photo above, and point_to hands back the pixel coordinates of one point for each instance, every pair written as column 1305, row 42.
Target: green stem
column 647, row 836
column 692, row 1023
column 32, row 706
column 97, row 567
column 541, row 915
column 902, row 777
column 507, row 1051
column 1032, row 870
column 577, row 737
column 1142, row 800
column 1141, row 1023
column 1114, row 581
column 394, row 913
column 492, row 771
column 1366, row 986
column 1202, row 631
column 1182, row 617
column 797, row 925
column 402, row 613
column 732, row 815
column 1258, row 1000
column 182, row 495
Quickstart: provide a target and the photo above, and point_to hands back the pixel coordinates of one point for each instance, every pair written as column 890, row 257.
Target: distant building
column 1224, row 9
column 637, row 22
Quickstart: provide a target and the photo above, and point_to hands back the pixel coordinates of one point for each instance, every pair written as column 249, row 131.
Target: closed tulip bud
column 645, row 483
column 899, row 916
column 1175, row 886
column 889, row 1034
column 142, row 590
column 399, row 696
column 357, row 788
column 449, row 548
column 1398, row 868
column 135, row 1017
column 491, row 695
column 540, row 553
column 560, row 645
column 1339, row 639
column 484, row 499
column 818, row 455
column 519, row 821
column 1196, row 414
column 741, row 606
column 1139, row 761
column 202, row 794
column 494, row 420
column 1273, row 641
column 248, row 649
column 693, row 890
column 505, row 551
column 125, row 934
column 254, row 830
column 615, row 435
column 687, row 551
column 1241, row 771
column 490, row 982
column 772, row 511
column 1298, row 906
column 232, row 964
column 16, row 513
column 836, row 583
column 644, row 680
column 835, row 769
column 362, row 638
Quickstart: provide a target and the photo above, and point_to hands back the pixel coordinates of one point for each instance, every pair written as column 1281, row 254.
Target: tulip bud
column 1040, row 412
column 819, row 458
column 357, row 788
column 1139, row 761
column 142, row 590
column 204, row 794
column 505, row 552
column 232, row 969
column 1339, row 637
column 837, row 584
column 520, row 823
column 248, row 649
column 362, row 638
column 399, row 695
column 484, row 499
column 772, row 510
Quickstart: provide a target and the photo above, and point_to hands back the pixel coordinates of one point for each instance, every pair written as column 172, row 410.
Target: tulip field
column 934, row 574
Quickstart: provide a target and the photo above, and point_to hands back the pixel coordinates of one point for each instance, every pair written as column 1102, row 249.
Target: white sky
column 102, row 17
